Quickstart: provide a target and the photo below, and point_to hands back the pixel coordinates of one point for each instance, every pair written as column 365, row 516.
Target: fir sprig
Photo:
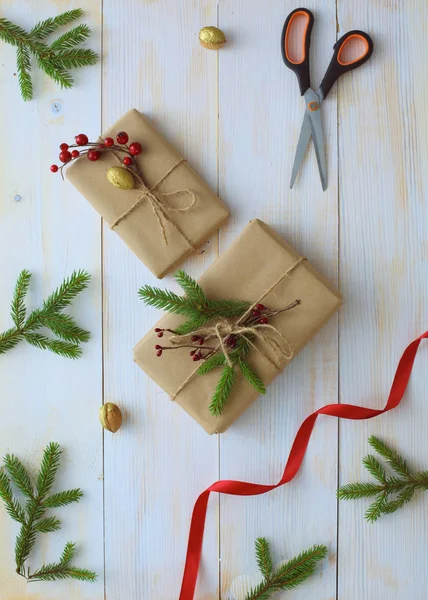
column 49, row 316
column 390, row 492
column 54, row 60
column 289, row 575
column 201, row 311
column 32, row 515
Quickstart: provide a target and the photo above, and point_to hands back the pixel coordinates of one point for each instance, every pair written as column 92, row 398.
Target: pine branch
column 251, row 376
column 54, row 60
column 193, row 324
column 222, row 390
column 49, row 316
column 264, row 558
column 286, row 577
column 18, row 475
column 391, row 493
column 214, row 361
column 63, row 498
column 191, row 288
column 70, row 39
column 43, row 29
column 32, row 519
column 167, row 301
column 23, row 66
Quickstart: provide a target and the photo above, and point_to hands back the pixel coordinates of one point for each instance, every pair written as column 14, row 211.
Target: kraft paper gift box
column 140, row 229
column 252, row 265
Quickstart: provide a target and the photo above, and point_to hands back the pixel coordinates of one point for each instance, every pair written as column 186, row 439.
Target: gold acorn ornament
column 110, row 417
column 212, row 37
column 121, row 178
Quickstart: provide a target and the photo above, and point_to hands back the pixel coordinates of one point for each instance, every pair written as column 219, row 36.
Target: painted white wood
column 383, row 271
column 236, row 115
column 161, row 459
column 260, row 117
column 51, row 231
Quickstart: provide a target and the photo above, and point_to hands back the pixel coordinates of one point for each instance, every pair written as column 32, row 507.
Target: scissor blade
column 305, row 136
column 318, row 138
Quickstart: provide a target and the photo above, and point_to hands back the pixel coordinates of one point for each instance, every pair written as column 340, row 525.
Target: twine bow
column 156, row 200
column 222, row 329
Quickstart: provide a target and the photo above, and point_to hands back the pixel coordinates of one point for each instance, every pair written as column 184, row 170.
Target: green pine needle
column 191, row 288
column 251, row 376
column 287, row 576
column 50, row 316
column 391, row 493
column 214, row 361
column 33, row 520
column 222, row 391
column 54, row 60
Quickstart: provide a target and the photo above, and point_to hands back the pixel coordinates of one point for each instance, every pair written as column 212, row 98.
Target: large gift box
column 259, row 266
column 161, row 230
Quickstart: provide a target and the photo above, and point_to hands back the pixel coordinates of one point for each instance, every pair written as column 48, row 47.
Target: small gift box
column 280, row 302
column 169, row 213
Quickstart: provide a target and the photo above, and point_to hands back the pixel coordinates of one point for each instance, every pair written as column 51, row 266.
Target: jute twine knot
column 222, row 329
column 157, row 202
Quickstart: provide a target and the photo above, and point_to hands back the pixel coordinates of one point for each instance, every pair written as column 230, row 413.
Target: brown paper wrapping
column 251, row 265
column 140, row 230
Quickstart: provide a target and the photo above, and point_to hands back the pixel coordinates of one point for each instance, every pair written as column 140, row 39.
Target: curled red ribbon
column 295, row 459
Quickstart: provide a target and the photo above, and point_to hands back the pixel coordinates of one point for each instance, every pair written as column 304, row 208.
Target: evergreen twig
column 199, row 312
column 49, row 316
column 390, row 493
column 288, row 575
column 54, row 60
column 32, row 516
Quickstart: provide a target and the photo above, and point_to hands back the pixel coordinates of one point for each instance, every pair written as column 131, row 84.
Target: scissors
column 339, row 64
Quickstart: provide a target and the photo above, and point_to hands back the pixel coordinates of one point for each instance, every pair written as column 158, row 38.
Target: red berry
column 64, row 146
column 196, row 357
column 160, row 334
column 127, row 161
column 122, row 137
column 108, row 142
column 81, row 139
column 260, row 307
column 65, row 157
column 195, row 338
column 231, row 341
column 159, row 353
column 158, row 347
column 201, row 341
column 157, row 330
column 256, row 313
column 135, row 148
column 54, row 168
column 75, row 153
column 192, row 352
column 263, row 320
column 94, row 155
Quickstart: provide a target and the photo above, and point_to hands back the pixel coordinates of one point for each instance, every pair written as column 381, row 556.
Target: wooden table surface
column 236, row 115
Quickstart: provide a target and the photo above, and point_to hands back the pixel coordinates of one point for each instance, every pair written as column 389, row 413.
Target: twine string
column 222, row 329
column 156, row 201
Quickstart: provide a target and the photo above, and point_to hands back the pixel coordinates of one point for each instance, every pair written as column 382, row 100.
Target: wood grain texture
column 383, row 215
column 161, row 459
column 260, row 116
column 51, row 232
column 236, row 116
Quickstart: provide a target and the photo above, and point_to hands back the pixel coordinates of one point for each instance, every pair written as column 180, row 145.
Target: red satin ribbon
column 298, row 450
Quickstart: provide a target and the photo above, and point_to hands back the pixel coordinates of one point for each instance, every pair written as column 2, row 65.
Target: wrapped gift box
column 257, row 259
column 185, row 230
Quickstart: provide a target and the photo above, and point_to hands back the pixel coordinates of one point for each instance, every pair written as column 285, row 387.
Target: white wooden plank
column 260, row 117
column 160, row 460
column 51, row 231
column 384, row 268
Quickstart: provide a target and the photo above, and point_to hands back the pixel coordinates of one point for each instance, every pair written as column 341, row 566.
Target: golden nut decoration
column 212, row 37
column 121, row 178
column 110, row 417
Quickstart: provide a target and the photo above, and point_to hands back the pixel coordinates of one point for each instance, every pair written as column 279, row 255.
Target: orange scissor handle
column 295, row 42
column 351, row 51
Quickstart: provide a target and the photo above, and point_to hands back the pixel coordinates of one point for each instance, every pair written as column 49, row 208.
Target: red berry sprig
column 94, row 150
